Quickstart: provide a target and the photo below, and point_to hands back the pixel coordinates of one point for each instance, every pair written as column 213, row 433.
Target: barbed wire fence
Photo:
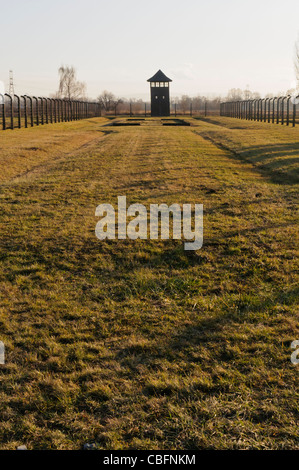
column 24, row 111
column 28, row 111
column 190, row 107
column 277, row 110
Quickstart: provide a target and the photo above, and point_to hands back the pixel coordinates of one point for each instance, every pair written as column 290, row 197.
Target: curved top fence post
column 282, row 109
column 37, row 115
column 273, row 109
column 294, row 109
column 2, row 102
column 278, row 108
column 11, row 110
column 265, row 110
column 288, row 109
column 19, row 110
column 42, row 109
column 31, row 109
column 25, row 110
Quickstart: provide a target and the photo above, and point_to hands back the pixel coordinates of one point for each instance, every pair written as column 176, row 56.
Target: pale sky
column 205, row 46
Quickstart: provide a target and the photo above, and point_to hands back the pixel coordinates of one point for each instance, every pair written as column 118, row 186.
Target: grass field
column 140, row 344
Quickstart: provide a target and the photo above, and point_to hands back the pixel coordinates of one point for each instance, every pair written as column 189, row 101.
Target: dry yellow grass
column 139, row 345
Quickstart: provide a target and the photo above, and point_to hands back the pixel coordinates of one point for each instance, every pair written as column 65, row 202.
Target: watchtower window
column 159, row 84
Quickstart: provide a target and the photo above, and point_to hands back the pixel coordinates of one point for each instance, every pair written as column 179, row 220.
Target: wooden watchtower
column 160, row 101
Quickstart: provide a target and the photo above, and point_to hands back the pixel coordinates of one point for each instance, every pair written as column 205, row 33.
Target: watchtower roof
column 159, row 77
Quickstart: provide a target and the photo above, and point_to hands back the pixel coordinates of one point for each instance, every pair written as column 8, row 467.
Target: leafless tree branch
column 69, row 87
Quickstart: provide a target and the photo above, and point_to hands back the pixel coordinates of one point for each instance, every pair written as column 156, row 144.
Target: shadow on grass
column 125, row 256
column 216, row 332
column 277, row 170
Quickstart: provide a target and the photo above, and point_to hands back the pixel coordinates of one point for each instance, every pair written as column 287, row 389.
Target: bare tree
column 256, row 95
column 69, row 87
column 297, row 62
column 108, row 101
column 235, row 94
column 185, row 103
